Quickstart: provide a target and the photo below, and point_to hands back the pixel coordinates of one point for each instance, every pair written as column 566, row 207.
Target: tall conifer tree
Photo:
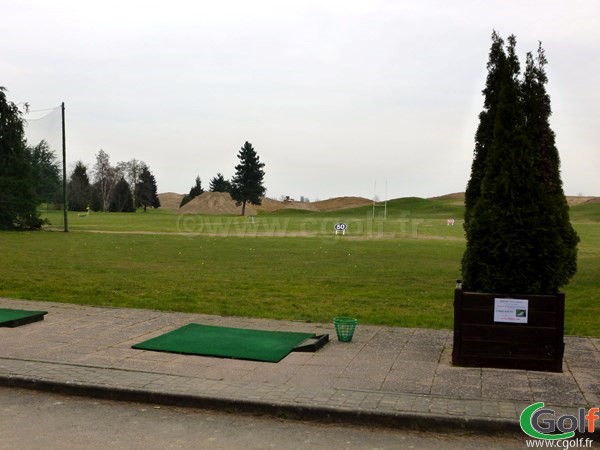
column 146, row 190
column 247, row 184
column 79, row 191
column 487, row 119
column 558, row 241
column 519, row 239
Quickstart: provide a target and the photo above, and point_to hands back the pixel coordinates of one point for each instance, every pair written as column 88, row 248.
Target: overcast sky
column 338, row 97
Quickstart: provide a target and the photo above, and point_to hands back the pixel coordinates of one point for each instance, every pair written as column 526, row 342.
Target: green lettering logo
column 540, row 430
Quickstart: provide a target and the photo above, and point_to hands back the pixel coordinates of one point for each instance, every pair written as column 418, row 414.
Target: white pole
column 385, row 205
column 374, row 193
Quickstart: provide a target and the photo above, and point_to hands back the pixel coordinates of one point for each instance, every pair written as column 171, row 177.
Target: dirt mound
column 170, row 200
column 580, row 200
column 214, row 203
column 269, row 204
column 332, row 204
column 222, row 203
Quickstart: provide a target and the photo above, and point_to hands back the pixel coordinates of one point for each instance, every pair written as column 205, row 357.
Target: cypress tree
column 485, row 130
column 557, row 239
column 513, row 245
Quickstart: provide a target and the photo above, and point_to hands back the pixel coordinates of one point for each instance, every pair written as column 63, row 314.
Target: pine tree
column 121, row 199
column 79, row 190
column 146, row 190
column 509, row 242
column 219, row 184
column 18, row 200
column 247, row 184
column 195, row 191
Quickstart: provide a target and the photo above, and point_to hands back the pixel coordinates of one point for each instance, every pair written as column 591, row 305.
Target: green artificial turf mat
column 16, row 317
column 225, row 342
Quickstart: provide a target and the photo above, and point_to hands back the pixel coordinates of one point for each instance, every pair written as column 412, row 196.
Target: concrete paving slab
column 391, row 376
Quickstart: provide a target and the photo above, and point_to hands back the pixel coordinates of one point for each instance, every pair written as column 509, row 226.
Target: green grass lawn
column 287, row 265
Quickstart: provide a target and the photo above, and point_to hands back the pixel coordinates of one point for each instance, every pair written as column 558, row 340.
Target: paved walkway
column 389, row 376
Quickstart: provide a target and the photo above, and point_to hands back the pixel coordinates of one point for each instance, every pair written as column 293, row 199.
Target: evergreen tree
column 18, row 200
column 558, row 248
column 487, row 119
column 195, row 191
column 46, row 173
column 79, row 189
column 219, row 184
column 247, row 184
column 96, row 203
column 121, row 199
column 146, row 190
column 508, row 239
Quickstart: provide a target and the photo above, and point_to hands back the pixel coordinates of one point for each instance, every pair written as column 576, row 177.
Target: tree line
column 31, row 176
column 124, row 187
column 131, row 185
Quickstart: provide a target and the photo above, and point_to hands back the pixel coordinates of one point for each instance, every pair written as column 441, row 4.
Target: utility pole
column 64, row 167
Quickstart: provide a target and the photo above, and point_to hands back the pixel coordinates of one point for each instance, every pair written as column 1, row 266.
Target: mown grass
column 398, row 272
column 410, row 217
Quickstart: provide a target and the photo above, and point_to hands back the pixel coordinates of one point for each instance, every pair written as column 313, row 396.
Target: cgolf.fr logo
column 542, row 423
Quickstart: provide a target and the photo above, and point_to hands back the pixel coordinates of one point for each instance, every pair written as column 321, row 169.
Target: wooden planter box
column 512, row 332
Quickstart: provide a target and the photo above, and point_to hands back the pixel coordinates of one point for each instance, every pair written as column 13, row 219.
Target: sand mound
column 170, row 200
column 580, row 200
column 214, row 203
column 269, row 204
column 332, row 204
column 222, row 203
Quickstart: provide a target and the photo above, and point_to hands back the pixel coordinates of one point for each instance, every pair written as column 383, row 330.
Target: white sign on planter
column 511, row 310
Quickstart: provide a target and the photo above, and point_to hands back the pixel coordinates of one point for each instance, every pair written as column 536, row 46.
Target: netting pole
column 64, row 164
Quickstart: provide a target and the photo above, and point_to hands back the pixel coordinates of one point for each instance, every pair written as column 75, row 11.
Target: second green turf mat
column 225, row 342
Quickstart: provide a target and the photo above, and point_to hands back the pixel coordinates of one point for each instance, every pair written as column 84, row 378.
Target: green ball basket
column 344, row 328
